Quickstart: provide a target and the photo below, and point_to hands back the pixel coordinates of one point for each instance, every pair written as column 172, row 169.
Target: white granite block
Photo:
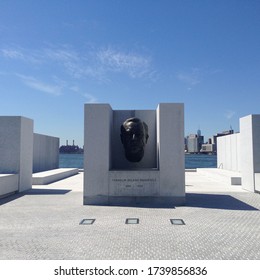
column 45, row 152
column 16, row 152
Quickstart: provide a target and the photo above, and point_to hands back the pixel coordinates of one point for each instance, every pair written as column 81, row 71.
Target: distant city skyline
column 72, row 142
column 55, row 56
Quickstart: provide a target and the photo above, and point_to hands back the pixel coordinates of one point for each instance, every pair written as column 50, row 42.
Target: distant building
column 208, row 148
column 71, row 149
column 194, row 142
column 185, row 145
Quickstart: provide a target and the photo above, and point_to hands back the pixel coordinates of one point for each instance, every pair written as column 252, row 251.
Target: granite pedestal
column 110, row 179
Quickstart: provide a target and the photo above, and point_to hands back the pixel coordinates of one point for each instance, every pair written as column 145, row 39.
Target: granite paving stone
column 221, row 222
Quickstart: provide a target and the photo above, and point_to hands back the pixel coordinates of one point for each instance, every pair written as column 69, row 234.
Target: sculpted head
column 134, row 136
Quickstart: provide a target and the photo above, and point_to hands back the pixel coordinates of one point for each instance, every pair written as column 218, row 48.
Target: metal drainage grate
column 87, row 222
column 132, row 221
column 177, row 222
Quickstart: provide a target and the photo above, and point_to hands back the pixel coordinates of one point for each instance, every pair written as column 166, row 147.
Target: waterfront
column 191, row 161
column 200, row 161
column 71, row 161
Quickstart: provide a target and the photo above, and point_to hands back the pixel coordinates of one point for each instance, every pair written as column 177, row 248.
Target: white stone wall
column 250, row 151
column 241, row 152
column 97, row 151
column 45, row 152
column 8, row 184
column 228, row 155
column 170, row 141
column 16, row 153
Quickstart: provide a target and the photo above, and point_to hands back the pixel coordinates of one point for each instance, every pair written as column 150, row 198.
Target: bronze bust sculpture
column 134, row 136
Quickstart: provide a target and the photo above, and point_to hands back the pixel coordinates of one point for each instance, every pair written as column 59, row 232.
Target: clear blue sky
column 57, row 55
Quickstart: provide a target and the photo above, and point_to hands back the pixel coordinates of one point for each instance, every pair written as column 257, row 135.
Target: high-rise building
column 194, row 142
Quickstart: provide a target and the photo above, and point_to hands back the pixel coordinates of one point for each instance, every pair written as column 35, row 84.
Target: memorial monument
column 134, row 156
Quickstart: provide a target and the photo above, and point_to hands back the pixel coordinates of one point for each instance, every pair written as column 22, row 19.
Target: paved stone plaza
column 221, row 222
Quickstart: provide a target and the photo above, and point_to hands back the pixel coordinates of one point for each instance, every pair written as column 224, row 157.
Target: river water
column 191, row 161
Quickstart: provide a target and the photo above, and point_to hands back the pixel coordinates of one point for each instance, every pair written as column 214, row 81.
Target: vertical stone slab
column 221, row 154
column 26, row 154
column 45, row 152
column 10, row 130
column 16, row 149
column 256, row 148
column 170, row 137
column 97, row 149
column 235, row 149
column 239, row 159
column 247, row 153
column 228, row 156
column 256, row 142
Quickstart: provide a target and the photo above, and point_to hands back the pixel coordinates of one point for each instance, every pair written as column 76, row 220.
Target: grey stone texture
column 221, row 223
column 50, row 176
column 250, row 151
column 16, row 153
column 228, row 154
column 45, row 152
column 8, row 184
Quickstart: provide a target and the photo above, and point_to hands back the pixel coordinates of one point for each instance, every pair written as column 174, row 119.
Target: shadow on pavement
column 11, row 197
column 47, row 192
column 15, row 196
column 217, row 201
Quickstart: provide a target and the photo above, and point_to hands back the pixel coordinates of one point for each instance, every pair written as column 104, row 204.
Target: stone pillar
column 250, row 152
column 97, row 149
column 170, row 130
column 16, row 149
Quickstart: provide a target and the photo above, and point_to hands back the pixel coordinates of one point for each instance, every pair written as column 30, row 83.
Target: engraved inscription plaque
column 134, row 183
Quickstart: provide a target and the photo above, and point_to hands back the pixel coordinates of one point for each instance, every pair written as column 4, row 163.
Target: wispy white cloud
column 89, row 62
column 53, row 89
column 190, row 78
column 68, row 59
column 12, row 53
column 26, row 56
column 74, row 88
column 134, row 65
column 195, row 76
column 77, row 64
column 63, row 55
column 98, row 64
column 90, row 98
column 229, row 114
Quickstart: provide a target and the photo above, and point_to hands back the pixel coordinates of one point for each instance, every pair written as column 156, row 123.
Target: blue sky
column 57, row 55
